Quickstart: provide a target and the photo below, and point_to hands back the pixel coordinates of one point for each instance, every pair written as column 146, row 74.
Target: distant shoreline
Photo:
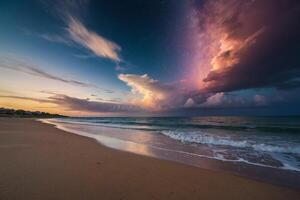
column 12, row 113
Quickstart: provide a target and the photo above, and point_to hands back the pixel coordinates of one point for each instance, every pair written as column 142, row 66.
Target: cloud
column 50, row 37
column 26, row 98
column 76, row 104
column 249, row 44
column 71, row 13
column 260, row 100
column 48, row 92
column 242, row 100
column 99, row 45
column 153, row 94
column 156, row 96
column 31, row 69
column 189, row 103
column 21, row 66
column 226, row 100
column 83, row 56
column 56, row 39
column 119, row 68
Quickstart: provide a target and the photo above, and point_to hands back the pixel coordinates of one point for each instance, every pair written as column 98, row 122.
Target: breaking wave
column 209, row 139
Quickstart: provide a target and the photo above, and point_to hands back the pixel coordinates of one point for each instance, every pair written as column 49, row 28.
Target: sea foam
column 210, row 139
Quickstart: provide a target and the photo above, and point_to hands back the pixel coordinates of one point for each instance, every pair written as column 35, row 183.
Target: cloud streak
column 72, row 103
column 96, row 43
column 85, row 105
column 51, row 38
column 27, row 68
column 56, row 39
column 70, row 13
column 25, row 98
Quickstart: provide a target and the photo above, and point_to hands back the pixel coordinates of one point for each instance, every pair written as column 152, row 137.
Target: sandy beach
column 38, row 161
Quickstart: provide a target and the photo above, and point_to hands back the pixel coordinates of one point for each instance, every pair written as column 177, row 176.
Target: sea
column 260, row 148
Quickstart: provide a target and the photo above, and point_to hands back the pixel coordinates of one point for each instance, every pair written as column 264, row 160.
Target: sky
column 151, row 58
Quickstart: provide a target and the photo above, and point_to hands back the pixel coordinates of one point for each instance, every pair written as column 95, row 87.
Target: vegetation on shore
column 5, row 112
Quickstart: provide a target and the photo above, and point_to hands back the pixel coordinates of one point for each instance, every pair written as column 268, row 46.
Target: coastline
column 39, row 161
column 156, row 144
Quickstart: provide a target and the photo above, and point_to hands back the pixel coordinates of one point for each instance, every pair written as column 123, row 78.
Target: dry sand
column 38, row 161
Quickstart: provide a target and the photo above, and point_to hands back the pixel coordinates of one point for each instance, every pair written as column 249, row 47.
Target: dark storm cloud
column 260, row 44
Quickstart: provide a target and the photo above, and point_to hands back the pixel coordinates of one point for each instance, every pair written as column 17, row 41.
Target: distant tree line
column 5, row 112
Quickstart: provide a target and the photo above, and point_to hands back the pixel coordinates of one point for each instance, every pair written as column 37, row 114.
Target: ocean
column 262, row 148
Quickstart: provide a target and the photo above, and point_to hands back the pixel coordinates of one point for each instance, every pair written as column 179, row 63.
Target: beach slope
column 38, row 161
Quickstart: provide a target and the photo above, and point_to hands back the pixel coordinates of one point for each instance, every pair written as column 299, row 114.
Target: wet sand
column 38, row 161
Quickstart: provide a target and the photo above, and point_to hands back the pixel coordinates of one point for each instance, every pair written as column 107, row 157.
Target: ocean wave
column 204, row 138
column 271, row 148
column 108, row 125
column 171, row 124
column 277, row 152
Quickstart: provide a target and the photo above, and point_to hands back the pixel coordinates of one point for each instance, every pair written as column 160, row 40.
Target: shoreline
column 108, row 138
column 39, row 161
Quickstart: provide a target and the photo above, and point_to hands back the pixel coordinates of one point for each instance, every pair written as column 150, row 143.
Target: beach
column 39, row 161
